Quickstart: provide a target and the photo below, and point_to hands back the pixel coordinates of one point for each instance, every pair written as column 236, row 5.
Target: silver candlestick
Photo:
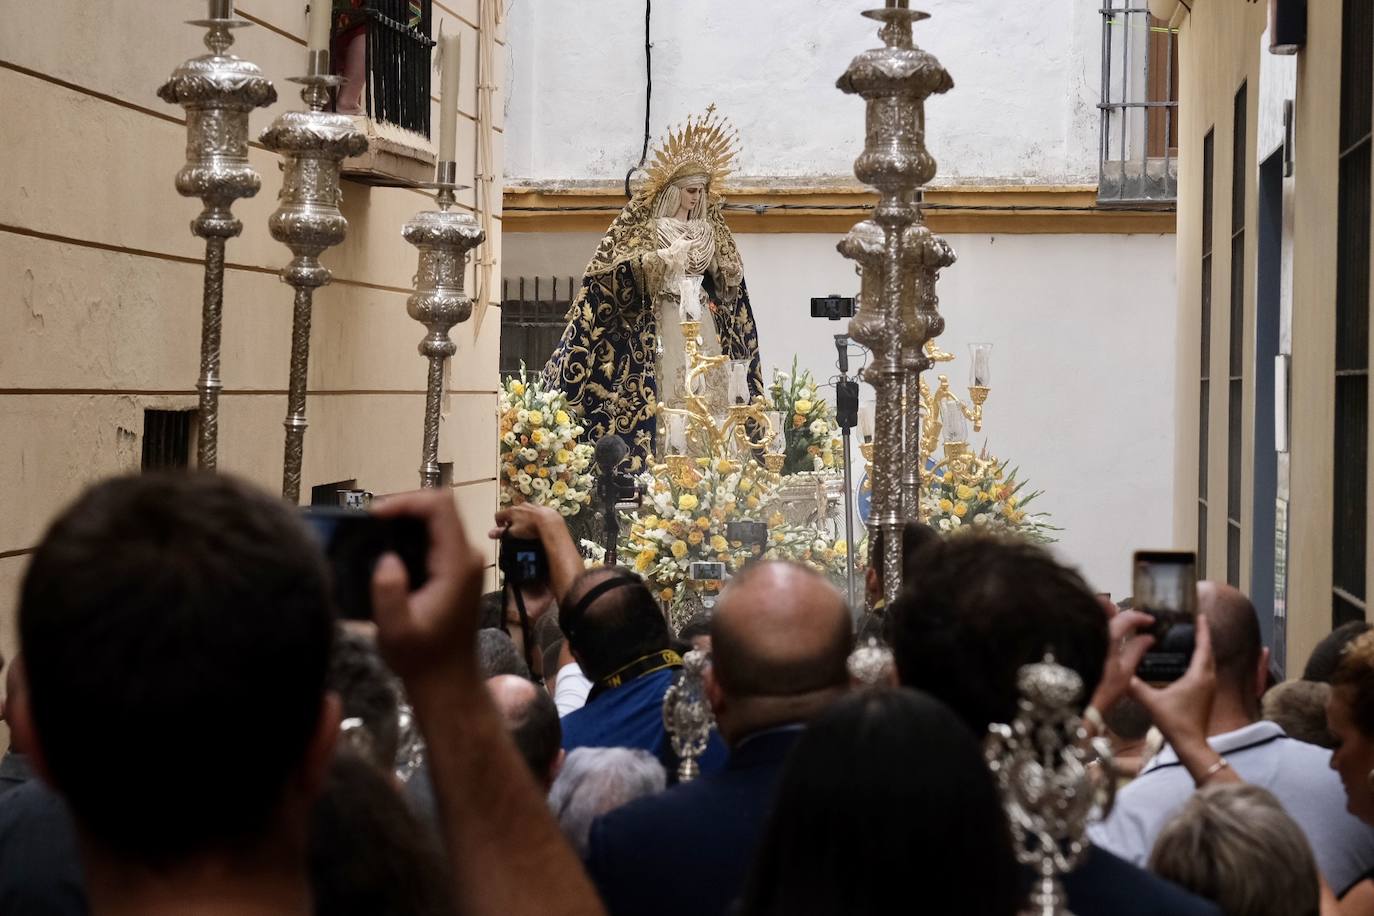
column 218, row 90
column 687, row 715
column 444, row 237
column 894, row 81
column 1051, row 778
column 313, row 144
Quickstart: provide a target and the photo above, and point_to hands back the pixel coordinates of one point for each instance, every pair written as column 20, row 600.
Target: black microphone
column 842, row 347
column 610, row 451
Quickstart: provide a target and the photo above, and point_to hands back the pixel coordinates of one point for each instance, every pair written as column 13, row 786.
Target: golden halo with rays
column 704, row 145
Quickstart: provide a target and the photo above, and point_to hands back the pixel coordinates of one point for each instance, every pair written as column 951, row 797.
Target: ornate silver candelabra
column 687, row 715
column 218, row 90
column 1043, row 763
column 313, row 144
column 444, row 237
column 894, row 81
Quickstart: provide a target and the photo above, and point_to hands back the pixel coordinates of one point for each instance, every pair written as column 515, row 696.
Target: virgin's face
column 690, row 196
column 1353, row 757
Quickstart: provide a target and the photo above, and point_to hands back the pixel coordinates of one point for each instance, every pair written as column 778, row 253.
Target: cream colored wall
column 1220, row 47
column 100, row 280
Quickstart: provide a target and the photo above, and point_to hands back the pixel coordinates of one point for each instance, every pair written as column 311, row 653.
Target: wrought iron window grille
column 1138, row 154
column 532, row 320
column 398, row 59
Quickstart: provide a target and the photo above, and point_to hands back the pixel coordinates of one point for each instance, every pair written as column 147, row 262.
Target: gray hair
column 497, row 654
column 1299, row 707
column 595, row 780
column 1234, row 844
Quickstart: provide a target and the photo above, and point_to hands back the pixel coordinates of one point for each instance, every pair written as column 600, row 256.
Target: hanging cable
column 648, row 93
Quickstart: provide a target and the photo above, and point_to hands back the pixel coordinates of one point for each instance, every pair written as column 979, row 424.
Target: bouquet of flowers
column 542, row 461
column 813, row 442
column 992, row 500
column 808, row 547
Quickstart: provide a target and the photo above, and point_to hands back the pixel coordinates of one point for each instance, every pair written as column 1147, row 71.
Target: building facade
column 1273, row 321
column 1076, row 292
column 100, row 279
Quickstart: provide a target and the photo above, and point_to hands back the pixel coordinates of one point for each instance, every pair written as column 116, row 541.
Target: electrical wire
column 648, row 93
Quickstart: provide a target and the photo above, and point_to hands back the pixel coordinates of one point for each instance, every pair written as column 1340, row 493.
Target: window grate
column 532, row 321
column 1349, row 521
column 1240, row 169
column 167, row 439
column 398, row 60
column 1138, row 161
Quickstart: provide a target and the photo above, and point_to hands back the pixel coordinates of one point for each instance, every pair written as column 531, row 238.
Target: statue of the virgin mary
column 668, row 257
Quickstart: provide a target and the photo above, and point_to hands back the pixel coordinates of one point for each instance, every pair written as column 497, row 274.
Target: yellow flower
column 704, row 523
column 803, row 406
column 679, row 549
column 563, row 456
column 644, row 559
column 543, row 472
column 961, row 509
column 828, row 460
column 842, row 548
column 1017, row 517
column 562, row 418
column 753, row 502
column 651, row 521
column 536, row 418
column 694, row 538
column 559, row 488
column 537, row 437
column 686, row 502
column 666, row 594
column 531, row 469
column 745, row 486
column 946, row 506
column 718, row 543
column 725, row 466
column 984, row 496
column 517, row 388
column 963, row 491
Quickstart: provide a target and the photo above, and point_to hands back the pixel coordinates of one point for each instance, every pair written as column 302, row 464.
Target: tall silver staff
column 314, row 144
column 444, row 237
column 218, row 90
column 894, row 81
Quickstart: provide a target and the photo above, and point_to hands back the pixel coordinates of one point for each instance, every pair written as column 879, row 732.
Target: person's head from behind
column 697, row 632
column 595, row 780
column 1235, row 845
column 975, row 609
column 176, row 633
column 780, row 637
column 1299, row 708
column 369, row 854
column 1350, row 717
column 611, row 620
column 532, row 720
column 1242, row 660
column 915, row 535
column 1326, row 657
column 842, row 838
column 368, row 693
column 497, row 654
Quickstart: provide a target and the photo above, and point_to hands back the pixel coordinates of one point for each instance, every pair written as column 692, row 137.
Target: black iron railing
column 532, row 320
column 398, row 60
column 1139, row 108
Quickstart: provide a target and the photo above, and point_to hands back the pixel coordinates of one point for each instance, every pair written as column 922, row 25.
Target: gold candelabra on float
column 693, row 430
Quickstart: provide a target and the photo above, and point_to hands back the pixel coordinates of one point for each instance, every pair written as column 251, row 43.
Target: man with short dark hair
column 619, row 637
column 1260, row 752
column 533, row 722
column 367, row 693
column 780, row 636
column 498, row 654
column 975, row 609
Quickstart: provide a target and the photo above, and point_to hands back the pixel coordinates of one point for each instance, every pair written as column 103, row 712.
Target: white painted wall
column 1026, row 83
column 1083, row 373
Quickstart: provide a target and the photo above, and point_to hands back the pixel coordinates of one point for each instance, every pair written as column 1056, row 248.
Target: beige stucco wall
column 1220, row 48
column 100, row 280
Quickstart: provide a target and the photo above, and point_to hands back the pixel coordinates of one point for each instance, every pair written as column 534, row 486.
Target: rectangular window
column 167, row 439
column 1351, row 441
column 532, row 321
column 1138, row 146
column 1235, row 386
column 386, row 45
column 1205, row 336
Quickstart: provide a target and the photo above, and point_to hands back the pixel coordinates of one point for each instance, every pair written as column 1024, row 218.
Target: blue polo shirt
column 631, row 715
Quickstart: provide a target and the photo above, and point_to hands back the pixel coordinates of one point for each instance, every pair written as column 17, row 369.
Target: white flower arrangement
column 542, row 460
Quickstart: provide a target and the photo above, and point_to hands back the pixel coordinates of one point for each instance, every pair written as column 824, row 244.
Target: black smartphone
column 353, row 540
column 523, row 561
column 1165, row 586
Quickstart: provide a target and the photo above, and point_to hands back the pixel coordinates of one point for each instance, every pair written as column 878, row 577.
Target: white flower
column 980, row 519
column 954, row 521
column 508, row 438
column 944, row 524
column 540, row 484
column 523, row 416
column 528, row 454
column 819, row 428
column 523, row 480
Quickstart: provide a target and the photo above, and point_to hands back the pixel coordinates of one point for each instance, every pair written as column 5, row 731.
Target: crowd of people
column 193, row 731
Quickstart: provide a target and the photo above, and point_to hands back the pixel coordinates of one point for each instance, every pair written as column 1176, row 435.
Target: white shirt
column 1299, row 775
column 570, row 689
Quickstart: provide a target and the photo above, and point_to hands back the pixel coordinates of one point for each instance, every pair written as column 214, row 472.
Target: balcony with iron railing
column 1138, row 156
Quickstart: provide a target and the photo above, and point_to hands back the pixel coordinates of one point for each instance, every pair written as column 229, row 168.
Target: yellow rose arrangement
column 542, row 460
column 993, row 500
column 813, row 438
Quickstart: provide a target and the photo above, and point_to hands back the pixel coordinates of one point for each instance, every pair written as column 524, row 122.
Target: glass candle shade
column 738, row 388
column 677, row 434
column 777, row 434
column 866, row 422
column 980, row 373
column 954, row 422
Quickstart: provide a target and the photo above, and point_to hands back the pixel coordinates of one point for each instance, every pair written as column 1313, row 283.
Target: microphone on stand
column 610, row 451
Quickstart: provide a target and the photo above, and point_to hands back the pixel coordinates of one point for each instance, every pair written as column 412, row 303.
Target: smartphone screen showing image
column 1165, row 585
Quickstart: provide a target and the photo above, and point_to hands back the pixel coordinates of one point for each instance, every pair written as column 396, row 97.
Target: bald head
column 532, row 720
column 512, row 695
column 780, row 629
column 1236, row 641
